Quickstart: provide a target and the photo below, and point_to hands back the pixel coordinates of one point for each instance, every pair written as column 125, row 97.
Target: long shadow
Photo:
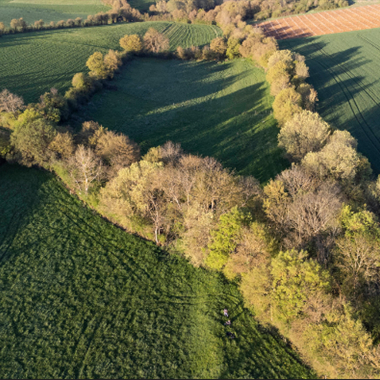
column 346, row 100
column 207, row 108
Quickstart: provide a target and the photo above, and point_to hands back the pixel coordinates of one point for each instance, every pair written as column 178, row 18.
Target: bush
column 132, row 43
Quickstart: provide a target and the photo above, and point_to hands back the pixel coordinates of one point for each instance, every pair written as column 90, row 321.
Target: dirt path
column 316, row 24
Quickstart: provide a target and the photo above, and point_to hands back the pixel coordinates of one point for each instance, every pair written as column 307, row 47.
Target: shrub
column 132, row 43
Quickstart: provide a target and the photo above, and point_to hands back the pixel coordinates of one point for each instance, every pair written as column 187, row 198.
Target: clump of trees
column 304, row 248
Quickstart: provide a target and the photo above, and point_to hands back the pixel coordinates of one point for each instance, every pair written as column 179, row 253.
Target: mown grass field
column 345, row 71
column 48, row 10
column 80, row 298
column 220, row 110
column 32, row 63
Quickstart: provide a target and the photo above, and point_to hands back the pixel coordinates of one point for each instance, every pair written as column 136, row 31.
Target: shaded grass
column 345, row 70
column 32, row 63
column 82, row 298
column 48, row 10
column 219, row 110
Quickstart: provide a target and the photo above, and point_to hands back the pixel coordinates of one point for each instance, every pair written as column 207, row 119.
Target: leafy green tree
column 97, row 67
column 286, row 104
column 31, row 140
column 295, row 279
column 225, row 238
column 233, row 46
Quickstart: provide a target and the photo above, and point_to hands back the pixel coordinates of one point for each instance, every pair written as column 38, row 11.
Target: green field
column 141, row 5
column 32, row 63
column 345, row 71
column 48, row 10
column 80, row 298
column 221, row 110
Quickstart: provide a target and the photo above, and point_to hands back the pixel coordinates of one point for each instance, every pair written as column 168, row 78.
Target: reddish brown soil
column 316, row 24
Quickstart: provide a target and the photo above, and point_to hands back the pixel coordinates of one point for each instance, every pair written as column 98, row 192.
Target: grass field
column 80, row 298
column 48, row 10
column 345, row 71
column 141, row 5
column 220, row 110
column 32, row 63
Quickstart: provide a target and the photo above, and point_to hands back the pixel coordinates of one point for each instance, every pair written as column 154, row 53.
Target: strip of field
column 329, row 22
column 80, row 298
column 48, row 10
column 221, row 110
column 345, row 71
column 32, row 63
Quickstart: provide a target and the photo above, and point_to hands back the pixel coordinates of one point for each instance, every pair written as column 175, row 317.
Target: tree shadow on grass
column 346, row 100
column 211, row 109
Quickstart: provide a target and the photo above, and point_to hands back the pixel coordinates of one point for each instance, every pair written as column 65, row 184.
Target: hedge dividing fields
column 345, row 71
column 32, row 63
column 48, row 10
column 80, row 298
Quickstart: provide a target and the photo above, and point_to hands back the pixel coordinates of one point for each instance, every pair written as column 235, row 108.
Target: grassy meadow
column 141, row 5
column 48, row 10
column 345, row 70
column 221, row 110
column 32, row 63
column 80, row 298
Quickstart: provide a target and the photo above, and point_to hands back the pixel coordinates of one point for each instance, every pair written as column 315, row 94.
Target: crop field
column 320, row 23
column 345, row 70
column 48, row 10
column 220, row 110
column 32, row 63
column 80, row 298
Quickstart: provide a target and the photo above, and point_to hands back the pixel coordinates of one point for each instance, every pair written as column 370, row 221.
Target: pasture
column 345, row 70
column 80, row 298
column 214, row 109
column 32, row 63
column 48, row 10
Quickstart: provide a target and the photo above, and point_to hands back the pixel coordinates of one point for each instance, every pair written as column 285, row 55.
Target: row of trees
column 225, row 14
column 124, row 13
column 304, row 248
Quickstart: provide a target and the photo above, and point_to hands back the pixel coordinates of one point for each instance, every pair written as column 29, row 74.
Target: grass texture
column 344, row 69
column 221, row 110
column 48, row 10
column 32, row 63
column 80, row 298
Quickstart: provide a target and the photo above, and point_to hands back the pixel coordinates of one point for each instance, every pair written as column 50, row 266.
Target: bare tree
column 85, row 168
column 10, row 102
column 155, row 41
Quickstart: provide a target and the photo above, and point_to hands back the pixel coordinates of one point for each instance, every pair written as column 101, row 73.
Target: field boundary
column 317, row 24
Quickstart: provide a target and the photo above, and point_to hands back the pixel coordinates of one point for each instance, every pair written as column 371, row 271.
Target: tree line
column 304, row 248
column 214, row 12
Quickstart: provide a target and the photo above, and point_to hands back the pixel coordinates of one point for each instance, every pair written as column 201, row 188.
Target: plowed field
column 317, row 24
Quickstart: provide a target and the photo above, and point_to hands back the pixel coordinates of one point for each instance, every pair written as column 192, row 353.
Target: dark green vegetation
column 81, row 298
column 32, row 63
column 219, row 110
column 141, row 5
column 345, row 71
column 48, row 10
